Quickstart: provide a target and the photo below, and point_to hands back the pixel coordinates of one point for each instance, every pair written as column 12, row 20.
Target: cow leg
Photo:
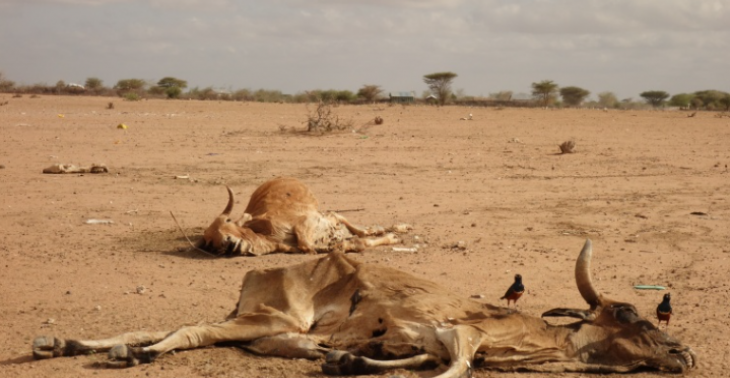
column 244, row 328
column 340, row 362
column 49, row 347
column 287, row 345
column 462, row 342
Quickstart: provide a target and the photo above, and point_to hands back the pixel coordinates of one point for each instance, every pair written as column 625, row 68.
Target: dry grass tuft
column 567, row 147
column 325, row 120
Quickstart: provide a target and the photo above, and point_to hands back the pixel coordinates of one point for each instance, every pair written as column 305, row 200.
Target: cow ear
column 570, row 313
column 260, row 226
column 243, row 219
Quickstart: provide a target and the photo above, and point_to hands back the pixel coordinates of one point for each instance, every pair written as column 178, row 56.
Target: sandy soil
column 496, row 183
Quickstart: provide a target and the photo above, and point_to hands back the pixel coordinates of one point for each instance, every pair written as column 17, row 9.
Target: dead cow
column 367, row 318
column 283, row 216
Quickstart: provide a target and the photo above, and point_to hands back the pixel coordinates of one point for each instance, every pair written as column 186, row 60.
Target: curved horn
column 583, row 276
column 229, row 207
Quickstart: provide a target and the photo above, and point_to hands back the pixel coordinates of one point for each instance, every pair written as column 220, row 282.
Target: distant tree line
column 545, row 93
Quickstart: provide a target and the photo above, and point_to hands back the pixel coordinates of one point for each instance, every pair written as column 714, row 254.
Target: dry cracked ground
column 489, row 197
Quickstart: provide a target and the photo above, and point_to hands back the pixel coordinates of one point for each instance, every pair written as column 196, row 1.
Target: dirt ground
column 495, row 183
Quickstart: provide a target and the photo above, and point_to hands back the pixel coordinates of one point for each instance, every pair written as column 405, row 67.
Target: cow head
column 225, row 236
column 611, row 336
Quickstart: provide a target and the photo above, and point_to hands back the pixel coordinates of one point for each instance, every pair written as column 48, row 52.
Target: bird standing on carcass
column 283, row 216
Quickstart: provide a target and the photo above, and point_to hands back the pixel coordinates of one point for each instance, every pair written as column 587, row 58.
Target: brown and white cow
column 283, row 216
column 367, row 318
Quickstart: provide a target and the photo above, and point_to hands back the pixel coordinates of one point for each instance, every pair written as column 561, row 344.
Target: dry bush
column 567, row 147
column 325, row 120
column 378, row 120
column 110, row 105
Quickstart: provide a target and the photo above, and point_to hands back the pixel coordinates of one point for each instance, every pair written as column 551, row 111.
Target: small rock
column 97, row 308
column 460, row 244
column 477, row 296
column 2, row 166
column 50, row 321
column 141, row 289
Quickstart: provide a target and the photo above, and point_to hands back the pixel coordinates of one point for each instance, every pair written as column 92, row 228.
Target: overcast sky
column 622, row 46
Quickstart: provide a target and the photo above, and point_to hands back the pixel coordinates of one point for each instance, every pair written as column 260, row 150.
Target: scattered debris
column 567, row 147
column 184, row 177
column 71, row 168
column 699, row 213
column 2, row 166
column 477, row 296
column 61, row 116
column 515, row 140
column 122, row 126
column 691, row 115
column 403, row 249
column 110, row 105
column 141, row 289
column 469, row 118
column 649, row 287
column 99, row 221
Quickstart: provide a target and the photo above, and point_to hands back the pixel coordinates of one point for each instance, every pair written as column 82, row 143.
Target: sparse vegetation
column 567, row 147
column 439, row 83
column 573, row 96
column 324, row 120
column 655, row 98
column 369, row 93
column 545, row 91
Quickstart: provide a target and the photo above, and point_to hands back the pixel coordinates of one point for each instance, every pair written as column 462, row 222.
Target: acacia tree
column 369, row 92
column 545, row 91
column 655, row 98
column 607, row 99
column 172, row 86
column 573, row 96
column 682, row 100
column 439, row 83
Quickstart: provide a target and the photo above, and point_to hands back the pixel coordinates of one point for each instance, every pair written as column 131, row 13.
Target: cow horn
column 583, row 276
column 229, row 207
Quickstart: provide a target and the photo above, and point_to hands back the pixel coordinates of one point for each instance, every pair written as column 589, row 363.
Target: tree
column 725, row 101
column 682, row 100
column 501, row 96
column 93, row 84
column 440, row 84
column 573, row 96
column 130, row 84
column 369, row 92
column 545, row 91
column 169, row 82
column 711, row 99
column 5, row 84
column 607, row 100
column 654, row 98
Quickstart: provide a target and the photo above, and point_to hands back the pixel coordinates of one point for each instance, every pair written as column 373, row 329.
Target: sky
column 620, row 46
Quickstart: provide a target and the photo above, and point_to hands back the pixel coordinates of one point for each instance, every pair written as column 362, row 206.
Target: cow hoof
column 126, row 356
column 339, row 362
column 45, row 347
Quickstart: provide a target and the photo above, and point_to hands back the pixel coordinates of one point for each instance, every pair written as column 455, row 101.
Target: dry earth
column 496, row 183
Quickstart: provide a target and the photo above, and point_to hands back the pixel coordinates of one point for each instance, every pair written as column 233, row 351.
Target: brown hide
column 282, row 216
column 365, row 313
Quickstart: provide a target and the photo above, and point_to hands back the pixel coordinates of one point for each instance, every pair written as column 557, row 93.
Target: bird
column 664, row 310
column 515, row 291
